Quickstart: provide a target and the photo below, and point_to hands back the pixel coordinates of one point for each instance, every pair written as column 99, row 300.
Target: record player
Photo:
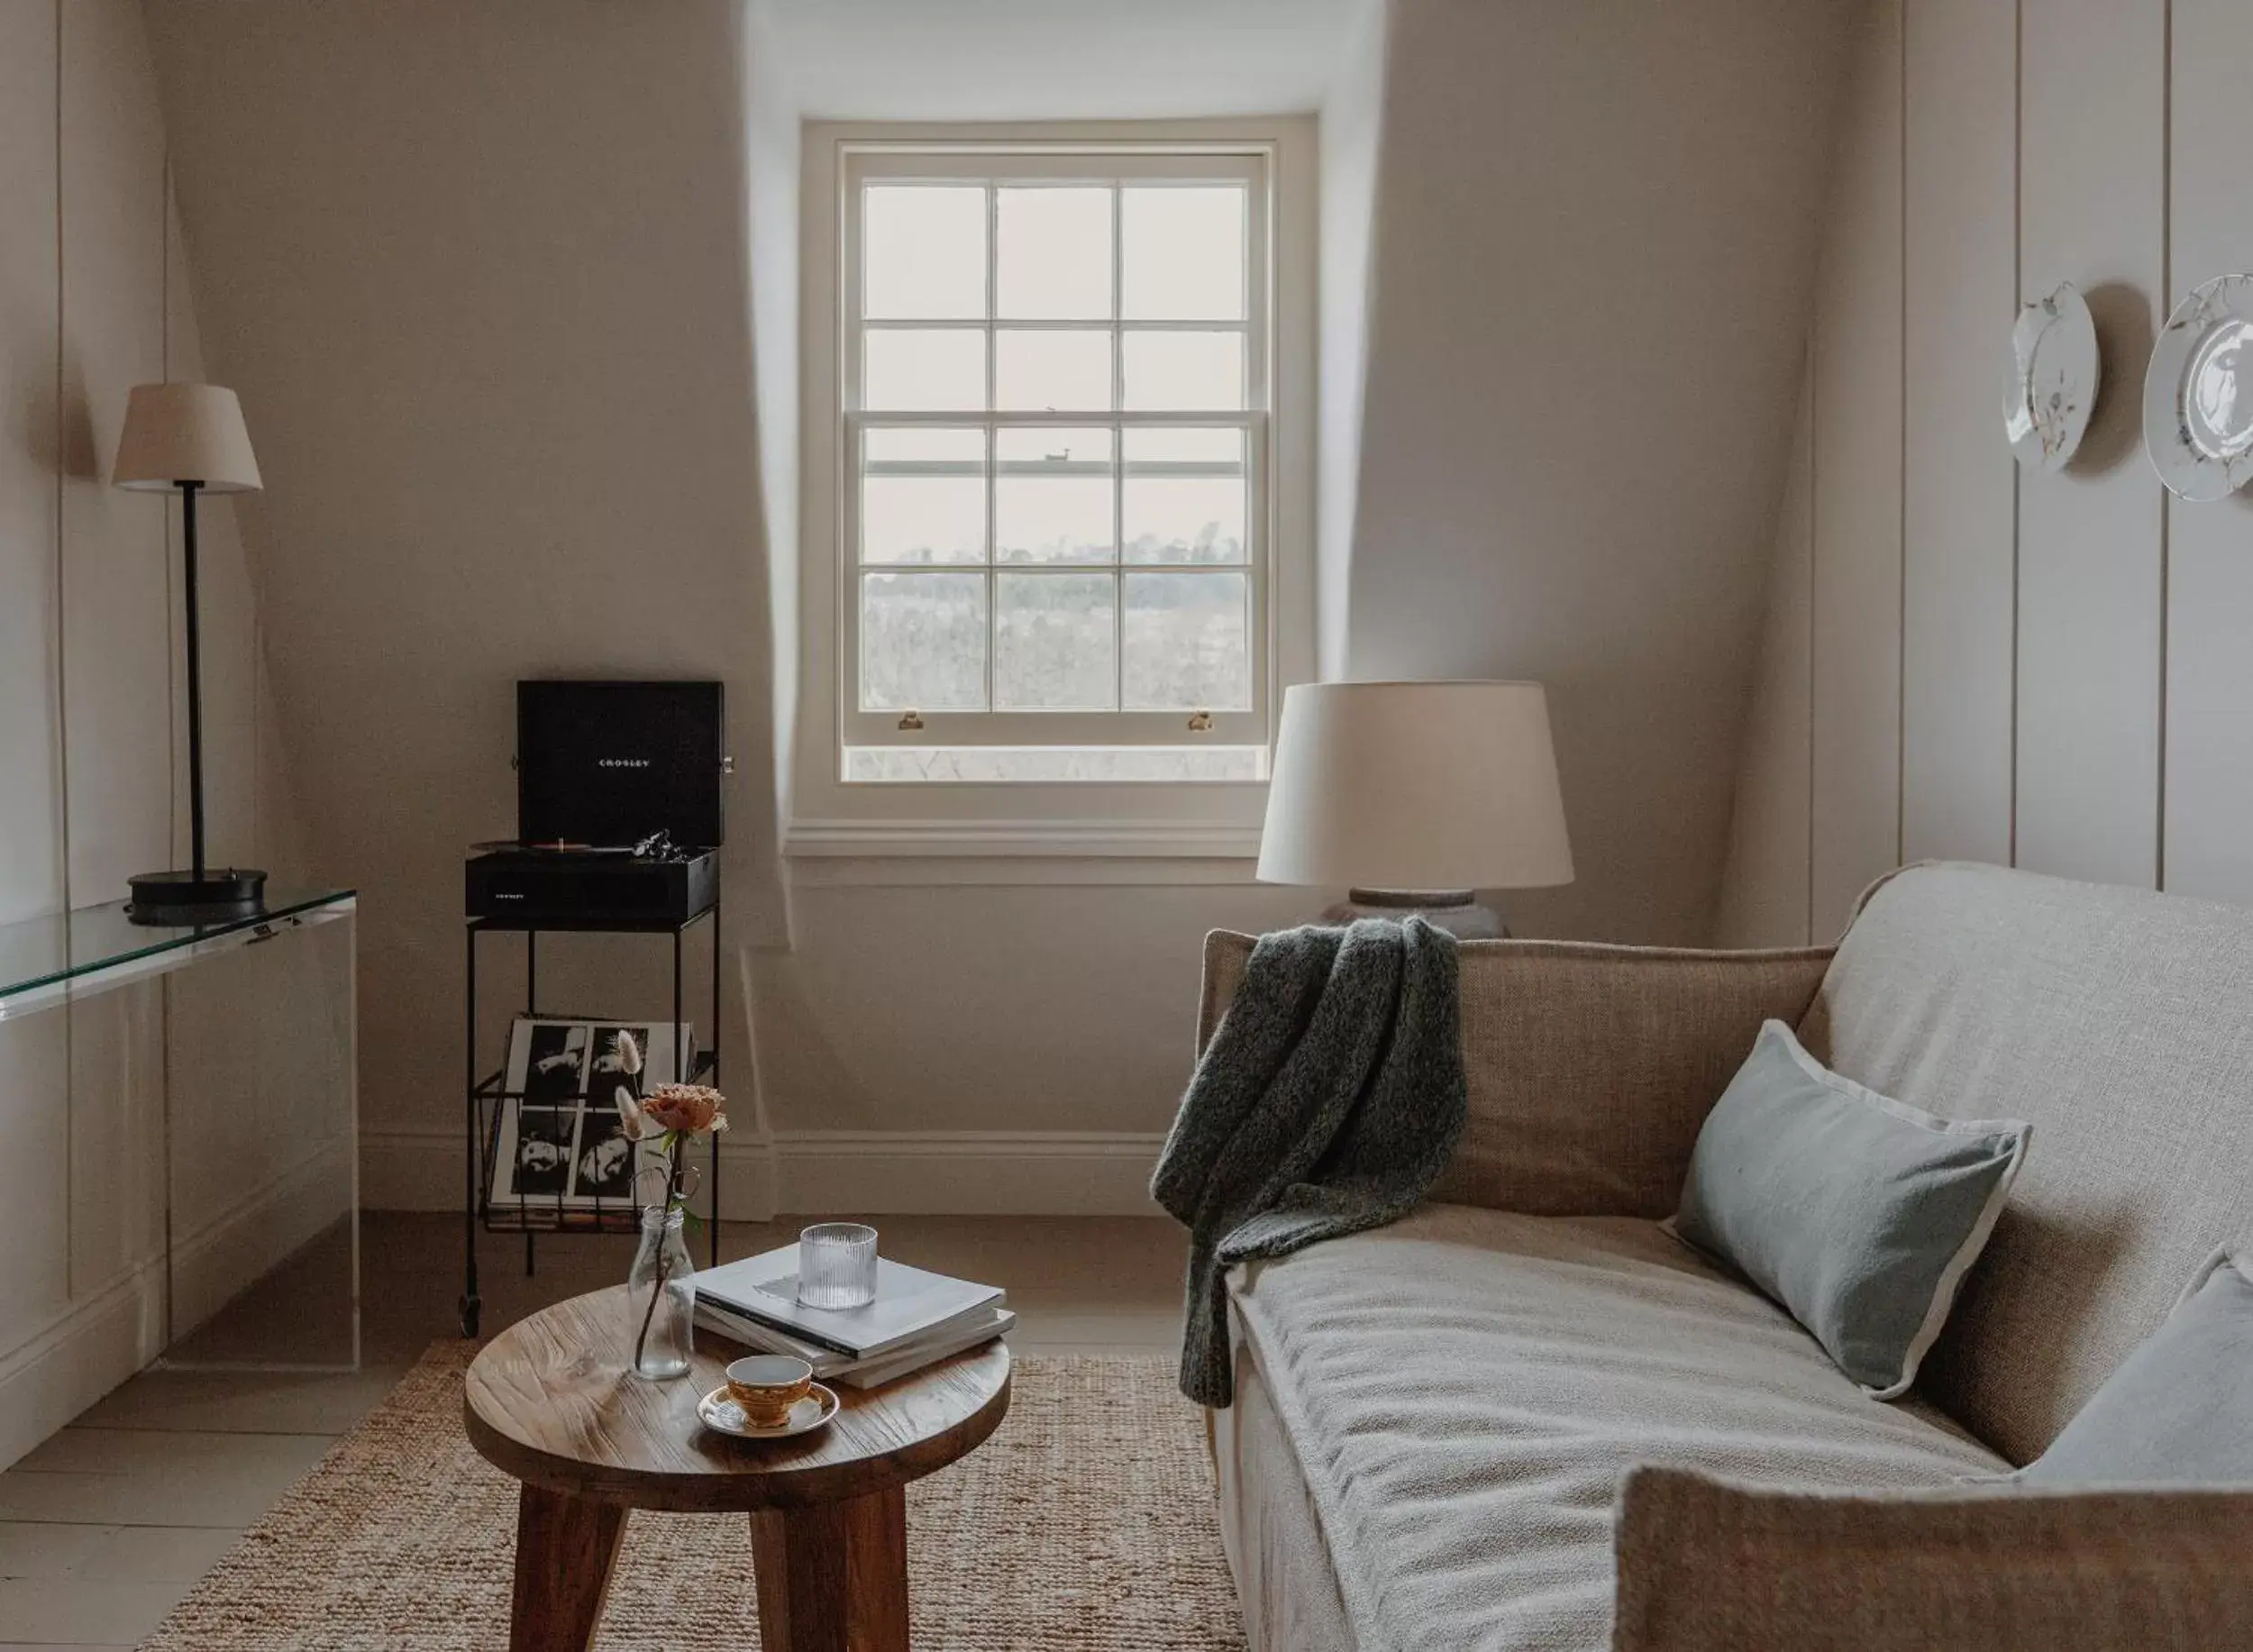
column 618, row 809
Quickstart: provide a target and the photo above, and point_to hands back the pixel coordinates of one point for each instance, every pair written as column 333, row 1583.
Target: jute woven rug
column 1086, row 1521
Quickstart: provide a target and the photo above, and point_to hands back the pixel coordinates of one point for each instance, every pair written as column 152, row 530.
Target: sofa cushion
column 2113, row 1021
column 1858, row 1214
column 2179, row 1410
column 1465, row 1389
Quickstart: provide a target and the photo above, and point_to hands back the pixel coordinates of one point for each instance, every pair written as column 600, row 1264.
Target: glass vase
column 661, row 1298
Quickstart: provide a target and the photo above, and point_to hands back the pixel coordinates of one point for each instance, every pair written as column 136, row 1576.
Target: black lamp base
column 182, row 898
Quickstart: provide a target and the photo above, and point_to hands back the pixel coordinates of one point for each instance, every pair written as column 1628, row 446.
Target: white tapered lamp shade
column 1424, row 789
column 189, row 437
column 185, row 432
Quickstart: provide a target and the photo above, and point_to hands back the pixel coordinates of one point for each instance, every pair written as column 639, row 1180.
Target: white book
column 909, row 1302
column 891, row 1367
column 969, row 1331
column 826, row 1362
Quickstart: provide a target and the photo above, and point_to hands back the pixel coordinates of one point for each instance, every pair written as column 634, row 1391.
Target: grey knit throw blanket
column 1328, row 1100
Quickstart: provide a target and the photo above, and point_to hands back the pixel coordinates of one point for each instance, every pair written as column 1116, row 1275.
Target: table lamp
column 1413, row 795
column 189, row 437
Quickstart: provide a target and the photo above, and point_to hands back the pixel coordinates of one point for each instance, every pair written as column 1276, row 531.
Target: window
column 1054, row 400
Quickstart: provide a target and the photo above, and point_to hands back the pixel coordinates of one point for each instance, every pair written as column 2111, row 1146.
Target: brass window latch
column 1200, row 723
column 911, row 720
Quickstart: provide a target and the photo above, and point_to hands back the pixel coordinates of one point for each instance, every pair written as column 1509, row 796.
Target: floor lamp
column 189, row 437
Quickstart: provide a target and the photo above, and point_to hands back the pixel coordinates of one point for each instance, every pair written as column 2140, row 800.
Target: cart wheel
column 470, row 1306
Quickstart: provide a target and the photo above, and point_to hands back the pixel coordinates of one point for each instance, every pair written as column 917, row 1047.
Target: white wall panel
column 2089, row 579
column 2209, row 589
column 1856, row 593
column 115, row 1138
column 1957, row 479
column 85, row 618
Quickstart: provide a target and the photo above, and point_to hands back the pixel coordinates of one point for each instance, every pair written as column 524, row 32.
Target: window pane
column 908, row 371
column 1210, row 448
column 1056, row 447
column 925, row 445
column 923, row 519
column 1188, row 520
column 1052, row 495
column 923, row 252
column 1052, row 645
column 1184, row 372
column 1065, row 371
column 1051, row 519
column 1188, row 648
column 1054, row 254
column 922, row 642
column 1184, row 253
column 1186, row 500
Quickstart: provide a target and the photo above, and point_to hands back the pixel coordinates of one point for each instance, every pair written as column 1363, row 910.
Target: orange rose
column 687, row 1110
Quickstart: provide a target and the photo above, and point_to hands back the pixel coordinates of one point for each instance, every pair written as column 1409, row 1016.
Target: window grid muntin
column 1249, row 173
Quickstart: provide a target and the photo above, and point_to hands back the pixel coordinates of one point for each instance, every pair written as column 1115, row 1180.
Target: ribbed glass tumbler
column 836, row 1266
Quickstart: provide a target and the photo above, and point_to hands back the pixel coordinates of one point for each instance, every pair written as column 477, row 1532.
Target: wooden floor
column 113, row 1520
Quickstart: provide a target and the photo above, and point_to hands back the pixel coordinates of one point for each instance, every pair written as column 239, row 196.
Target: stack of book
column 917, row 1318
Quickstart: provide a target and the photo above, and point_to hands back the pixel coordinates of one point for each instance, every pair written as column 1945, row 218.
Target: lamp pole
column 195, row 682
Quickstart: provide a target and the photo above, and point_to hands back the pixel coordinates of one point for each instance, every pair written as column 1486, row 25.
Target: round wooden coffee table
column 550, row 1402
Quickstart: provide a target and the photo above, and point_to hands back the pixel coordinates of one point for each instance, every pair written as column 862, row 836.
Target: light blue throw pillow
column 1858, row 1214
column 2179, row 1410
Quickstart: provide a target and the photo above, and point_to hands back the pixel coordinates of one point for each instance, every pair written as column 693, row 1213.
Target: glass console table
column 205, row 1080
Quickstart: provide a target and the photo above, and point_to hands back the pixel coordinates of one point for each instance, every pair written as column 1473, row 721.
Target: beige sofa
column 1526, row 1417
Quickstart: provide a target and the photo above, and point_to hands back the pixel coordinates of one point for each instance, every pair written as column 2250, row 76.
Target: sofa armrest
column 1707, row 1566
column 1591, row 1068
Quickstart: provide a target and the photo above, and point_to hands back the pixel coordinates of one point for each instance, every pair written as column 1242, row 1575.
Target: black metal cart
column 534, row 1214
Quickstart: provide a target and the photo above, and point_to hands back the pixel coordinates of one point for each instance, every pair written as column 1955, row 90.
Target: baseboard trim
column 79, row 1355
column 880, row 1173
column 117, row 1327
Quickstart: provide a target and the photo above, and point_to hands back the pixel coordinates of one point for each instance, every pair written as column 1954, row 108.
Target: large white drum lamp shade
column 1429, row 789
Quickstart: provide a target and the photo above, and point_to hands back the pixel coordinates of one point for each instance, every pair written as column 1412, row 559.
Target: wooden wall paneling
column 2209, row 777
column 2093, row 167
column 1960, row 278
column 1855, row 792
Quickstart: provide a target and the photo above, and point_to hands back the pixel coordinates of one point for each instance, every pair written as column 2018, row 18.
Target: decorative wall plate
column 2054, row 372
column 2198, row 394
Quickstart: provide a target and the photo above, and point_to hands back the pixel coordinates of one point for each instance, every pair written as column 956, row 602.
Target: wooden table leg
column 565, row 1546
column 834, row 1577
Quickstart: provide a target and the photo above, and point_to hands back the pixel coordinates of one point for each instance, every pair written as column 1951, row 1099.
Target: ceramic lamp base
column 1457, row 911
column 181, row 897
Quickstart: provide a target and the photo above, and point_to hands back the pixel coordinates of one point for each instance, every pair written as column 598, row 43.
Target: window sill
column 1020, row 840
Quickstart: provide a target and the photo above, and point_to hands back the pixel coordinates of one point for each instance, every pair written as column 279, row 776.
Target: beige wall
column 94, row 298
column 1595, row 230
column 488, row 267
column 1352, row 130
column 515, row 278
column 1981, row 661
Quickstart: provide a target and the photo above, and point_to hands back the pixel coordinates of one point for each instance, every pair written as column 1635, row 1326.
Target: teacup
column 766, row 1386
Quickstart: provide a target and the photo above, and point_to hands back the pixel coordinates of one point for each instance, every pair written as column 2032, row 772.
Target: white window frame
column 829, row 815
column 874, row 164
